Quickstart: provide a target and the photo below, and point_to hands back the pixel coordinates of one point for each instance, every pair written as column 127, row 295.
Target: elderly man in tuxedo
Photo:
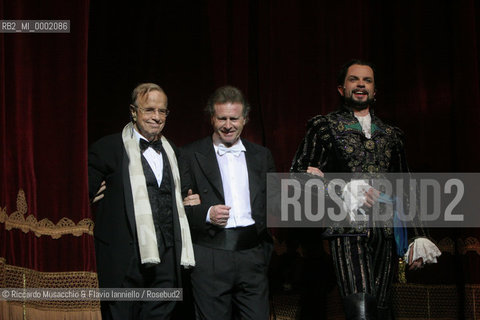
column 231, row 243
column 141, row 230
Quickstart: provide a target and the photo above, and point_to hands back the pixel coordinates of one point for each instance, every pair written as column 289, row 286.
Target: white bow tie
column 235, row 150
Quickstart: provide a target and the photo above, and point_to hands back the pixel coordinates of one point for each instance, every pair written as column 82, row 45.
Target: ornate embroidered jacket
column 335, row 143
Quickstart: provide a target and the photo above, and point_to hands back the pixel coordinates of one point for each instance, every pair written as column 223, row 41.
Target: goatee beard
column 358, row 105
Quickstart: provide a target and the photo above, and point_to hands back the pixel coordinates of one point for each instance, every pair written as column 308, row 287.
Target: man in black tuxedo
column 231, row 243
column 141, row 231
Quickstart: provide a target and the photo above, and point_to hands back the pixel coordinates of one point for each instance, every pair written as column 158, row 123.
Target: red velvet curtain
column 43, row 141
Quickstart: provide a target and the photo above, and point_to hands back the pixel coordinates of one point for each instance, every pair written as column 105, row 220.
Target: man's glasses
column 152, row 111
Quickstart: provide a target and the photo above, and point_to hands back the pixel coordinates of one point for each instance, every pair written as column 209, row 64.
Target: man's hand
column 371, row 196
column 219, row 215
column 315, row 171
column 99, row 195
column 417, row 264
column 191, row 199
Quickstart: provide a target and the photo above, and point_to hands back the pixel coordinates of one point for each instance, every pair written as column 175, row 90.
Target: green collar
column 356, row 126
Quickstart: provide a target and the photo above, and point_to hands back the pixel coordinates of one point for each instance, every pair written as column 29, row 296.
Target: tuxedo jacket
column 204, row 178
column 115, row 229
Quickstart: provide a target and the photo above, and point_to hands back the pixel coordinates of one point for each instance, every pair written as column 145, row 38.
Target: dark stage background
column 61, row 92
column 285, row 56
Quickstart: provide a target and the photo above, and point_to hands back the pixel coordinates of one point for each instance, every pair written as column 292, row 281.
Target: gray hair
column 141, row 91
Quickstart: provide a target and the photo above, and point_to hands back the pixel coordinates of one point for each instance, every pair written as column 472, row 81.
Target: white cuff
column 208, row 215
column 423, row 248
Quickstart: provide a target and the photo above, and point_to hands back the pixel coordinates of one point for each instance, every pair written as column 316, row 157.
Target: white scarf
column 147, row 238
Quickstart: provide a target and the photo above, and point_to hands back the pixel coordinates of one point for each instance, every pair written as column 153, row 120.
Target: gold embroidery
column 401, row 271
column 16, row 220
column 381, row 142
column 18, row 277
column 370, row 145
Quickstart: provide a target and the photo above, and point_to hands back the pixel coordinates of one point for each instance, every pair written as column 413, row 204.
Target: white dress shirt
column 233, row 169
column 154, row 159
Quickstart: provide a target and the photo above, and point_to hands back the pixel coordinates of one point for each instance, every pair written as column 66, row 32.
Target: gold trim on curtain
column 18, row 277
column 44, row 227
column 469, row 244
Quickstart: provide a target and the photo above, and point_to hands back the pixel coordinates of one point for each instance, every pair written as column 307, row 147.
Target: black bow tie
column 156, row 145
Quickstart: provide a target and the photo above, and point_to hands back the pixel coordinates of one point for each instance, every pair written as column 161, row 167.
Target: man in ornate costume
column 353, row 140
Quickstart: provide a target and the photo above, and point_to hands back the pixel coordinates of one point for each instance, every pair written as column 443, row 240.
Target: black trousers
column 162, row 275
column 230, row 284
